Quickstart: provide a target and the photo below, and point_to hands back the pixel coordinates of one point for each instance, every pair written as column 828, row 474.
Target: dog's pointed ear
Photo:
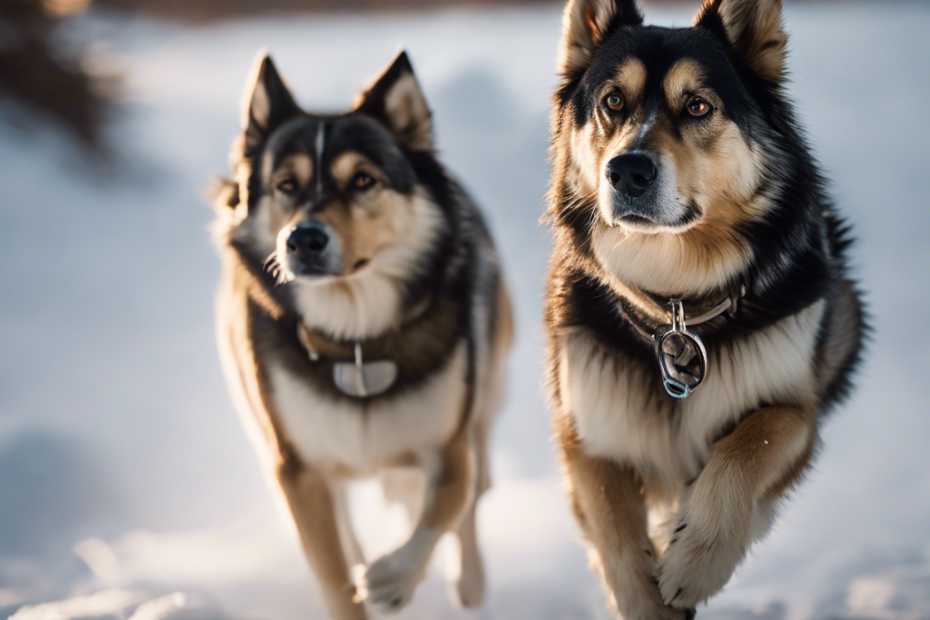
column 753, row 30
column 396, row 100
column 585, row 25
column 266, row 103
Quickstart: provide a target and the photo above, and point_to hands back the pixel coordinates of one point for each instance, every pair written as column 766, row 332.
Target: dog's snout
column 307, row 240
column 631, row 174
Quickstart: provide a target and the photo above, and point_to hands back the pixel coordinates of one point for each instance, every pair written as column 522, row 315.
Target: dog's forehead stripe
column 294, row 138
column 319, row 144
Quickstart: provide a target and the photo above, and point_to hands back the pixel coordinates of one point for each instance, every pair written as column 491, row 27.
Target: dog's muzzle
column 307, row 244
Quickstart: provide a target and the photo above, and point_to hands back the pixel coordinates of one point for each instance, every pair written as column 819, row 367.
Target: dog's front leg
column 732, row 502
column 390, row 581
column 610, row 506
column 311, row 502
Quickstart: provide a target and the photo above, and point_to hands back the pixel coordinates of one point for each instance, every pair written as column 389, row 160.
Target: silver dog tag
column 682, row 357
column 362, row 379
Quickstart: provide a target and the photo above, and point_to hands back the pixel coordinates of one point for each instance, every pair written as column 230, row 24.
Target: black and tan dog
column 362, row 323
column 700, row 317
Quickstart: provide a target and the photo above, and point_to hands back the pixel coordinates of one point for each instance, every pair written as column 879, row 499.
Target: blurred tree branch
column 43, row 77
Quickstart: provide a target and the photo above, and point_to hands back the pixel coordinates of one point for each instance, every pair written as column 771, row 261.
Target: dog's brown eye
column 614, row 101
column 698, row 108
column 362, row 181
column 288, row 186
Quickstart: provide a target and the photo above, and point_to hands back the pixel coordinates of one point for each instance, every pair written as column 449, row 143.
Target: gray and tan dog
column 363, row 325
column 700, row 316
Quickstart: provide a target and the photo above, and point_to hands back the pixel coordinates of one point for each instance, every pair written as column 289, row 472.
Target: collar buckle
column 681, row 354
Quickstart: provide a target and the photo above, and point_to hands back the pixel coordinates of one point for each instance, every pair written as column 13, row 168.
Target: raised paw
column 698, row 562
column 388, row 583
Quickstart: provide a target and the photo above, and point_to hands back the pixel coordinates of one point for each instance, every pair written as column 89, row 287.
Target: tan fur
column 311, row 501
column 379, row 218
column 609, row 502
column 715, row 170
column 380, row 223
column 299, row 165
column 584, row 23
column 408, row 111
column 685, row 77
column 755, row 31
column 453, row 487
column 631, row 79
column 752, row 467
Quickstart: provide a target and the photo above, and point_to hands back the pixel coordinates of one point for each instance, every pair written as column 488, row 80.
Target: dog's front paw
column 701, row 556
column 388, row 583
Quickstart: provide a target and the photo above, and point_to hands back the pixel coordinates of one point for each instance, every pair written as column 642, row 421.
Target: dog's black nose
column 631, row 175
column 307, row 240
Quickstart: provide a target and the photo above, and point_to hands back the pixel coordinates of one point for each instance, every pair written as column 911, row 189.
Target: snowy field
column 127, row 488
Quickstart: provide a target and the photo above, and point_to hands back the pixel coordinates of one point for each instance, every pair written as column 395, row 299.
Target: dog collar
column 679, row 351
column 360, row 369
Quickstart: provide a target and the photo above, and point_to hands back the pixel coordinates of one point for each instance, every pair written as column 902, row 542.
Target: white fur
column 617, row 419
column 365, row 435
column 662, row 263
column 390, row 581
column 342, row 513
column 584, row 161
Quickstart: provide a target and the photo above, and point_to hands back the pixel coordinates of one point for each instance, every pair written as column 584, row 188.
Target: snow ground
column 125, row 478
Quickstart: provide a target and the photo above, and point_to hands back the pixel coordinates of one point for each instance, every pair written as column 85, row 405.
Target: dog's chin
column 634, row 223
column 313, row 274
column 296, row 271
column 649, row 223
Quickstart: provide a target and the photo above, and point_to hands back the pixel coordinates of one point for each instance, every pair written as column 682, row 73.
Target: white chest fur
column 618, row 417
column 363, row 434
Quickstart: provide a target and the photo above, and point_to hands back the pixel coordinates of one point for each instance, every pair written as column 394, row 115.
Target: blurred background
column 127, row 487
